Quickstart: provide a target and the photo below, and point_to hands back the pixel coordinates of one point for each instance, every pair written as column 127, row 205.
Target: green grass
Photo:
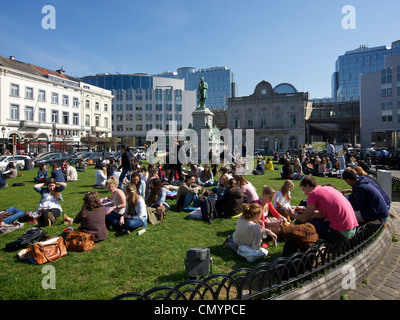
column 122, row 263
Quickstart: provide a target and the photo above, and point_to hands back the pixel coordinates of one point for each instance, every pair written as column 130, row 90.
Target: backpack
column 208, row 209
column 31, row 236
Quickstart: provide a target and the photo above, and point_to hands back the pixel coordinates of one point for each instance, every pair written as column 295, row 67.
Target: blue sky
column 277, row 41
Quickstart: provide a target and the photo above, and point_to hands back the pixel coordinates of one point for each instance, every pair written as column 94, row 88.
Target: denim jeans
column 17, row 214
column 325, row 231
column 189, row 198
column 205, row 184
column 113, row 219
column 122, row 176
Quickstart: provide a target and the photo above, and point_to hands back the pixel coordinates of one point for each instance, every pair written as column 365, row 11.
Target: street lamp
column 3, row 130
column 49, row 143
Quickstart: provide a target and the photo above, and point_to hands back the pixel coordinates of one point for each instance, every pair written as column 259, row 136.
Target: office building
column 220, row 80
column 142, row 102
column 380, row 105
column 345, row 81
column 47, row 109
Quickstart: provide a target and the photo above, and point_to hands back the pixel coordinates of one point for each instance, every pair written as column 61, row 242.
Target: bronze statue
column 202, row 94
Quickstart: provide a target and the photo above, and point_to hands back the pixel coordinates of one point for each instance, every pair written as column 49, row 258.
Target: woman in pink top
column 328, row 210
column 247, row 188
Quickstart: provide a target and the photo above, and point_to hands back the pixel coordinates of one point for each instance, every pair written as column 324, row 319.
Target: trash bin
column 29, row 164
column 198, row 262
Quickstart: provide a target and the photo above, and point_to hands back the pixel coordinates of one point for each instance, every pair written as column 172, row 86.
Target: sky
column 277, row 41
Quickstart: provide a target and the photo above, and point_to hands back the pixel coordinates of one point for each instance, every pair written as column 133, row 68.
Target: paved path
column 384, row 282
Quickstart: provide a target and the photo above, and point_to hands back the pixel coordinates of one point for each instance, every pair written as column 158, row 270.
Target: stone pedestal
column 202, row 118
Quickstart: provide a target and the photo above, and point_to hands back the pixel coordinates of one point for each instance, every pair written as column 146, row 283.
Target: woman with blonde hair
column 116, row 207
column 272, row 223
column 135, row 215
column 282, row 196
column 91, row 216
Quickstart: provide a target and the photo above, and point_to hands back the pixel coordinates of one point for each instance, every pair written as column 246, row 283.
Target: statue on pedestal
column 202, row 94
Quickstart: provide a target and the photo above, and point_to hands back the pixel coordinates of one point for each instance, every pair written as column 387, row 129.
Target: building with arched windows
column 277, row 116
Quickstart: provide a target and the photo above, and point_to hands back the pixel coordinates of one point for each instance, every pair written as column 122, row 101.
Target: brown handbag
column 48, row 251
column 77, row 240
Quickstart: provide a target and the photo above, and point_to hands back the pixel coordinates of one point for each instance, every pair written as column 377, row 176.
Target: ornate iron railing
column 266, row 280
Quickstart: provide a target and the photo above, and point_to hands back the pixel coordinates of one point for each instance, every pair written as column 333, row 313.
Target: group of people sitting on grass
column 65, row 173
column 334, row 214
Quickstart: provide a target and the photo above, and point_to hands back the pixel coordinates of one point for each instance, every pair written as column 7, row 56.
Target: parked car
column 54, row 158
column 394, row 159
column 19, row 161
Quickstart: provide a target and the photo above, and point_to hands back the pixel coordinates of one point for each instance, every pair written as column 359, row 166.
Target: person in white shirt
column 72, row 174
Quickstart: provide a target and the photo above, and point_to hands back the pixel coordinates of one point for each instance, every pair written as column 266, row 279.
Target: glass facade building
column 220, row 80
column 345, row 81
column 142, row 102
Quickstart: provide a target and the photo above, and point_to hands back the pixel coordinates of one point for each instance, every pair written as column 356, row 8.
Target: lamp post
column 49, row 143
column 3, row 130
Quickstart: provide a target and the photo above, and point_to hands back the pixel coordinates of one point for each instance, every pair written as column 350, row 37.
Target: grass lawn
column 122, row 263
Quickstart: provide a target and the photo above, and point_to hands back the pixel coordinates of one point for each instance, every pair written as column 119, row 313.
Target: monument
column 203, row 119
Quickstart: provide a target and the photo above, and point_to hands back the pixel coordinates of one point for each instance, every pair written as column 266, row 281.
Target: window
column 29, row 113
column 292, row 120
column 138, row 107
column 139, row 117
column 105, row 107
column 237, row 123
column 75, row 102
column 65, row 100
column 178, row 95
column 54, row 116
column 129, row 117
column 149, row 127
column 28, row 93
column 149, row 95
column 149, row 117
column 158, row 94
column 75, row 119
column 97, row 105
column 54, row 98
column 178, row 107
column 87, row 104
column 263, row 122
column 138, row 127
column 138, row 94
column 14, row 90
column 120, row 127
column 250, row 123
column 149, row 107
column 158, row 107
column 158, row 117
column 65, row 118
column 398, row 73
column 42, row 115
column 293, row 143
column 14, row 112
column 129, row 107
column 119, row 117
column 42, row 95
column 87, row 120
column 106, row 122
column 387, row 119
column 97, row 121
column 128, row 94
column 168, row 94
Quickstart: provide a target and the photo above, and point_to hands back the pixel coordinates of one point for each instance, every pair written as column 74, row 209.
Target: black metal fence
column 266, row 280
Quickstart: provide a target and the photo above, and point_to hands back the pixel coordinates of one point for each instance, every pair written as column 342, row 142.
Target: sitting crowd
column 136, row 191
